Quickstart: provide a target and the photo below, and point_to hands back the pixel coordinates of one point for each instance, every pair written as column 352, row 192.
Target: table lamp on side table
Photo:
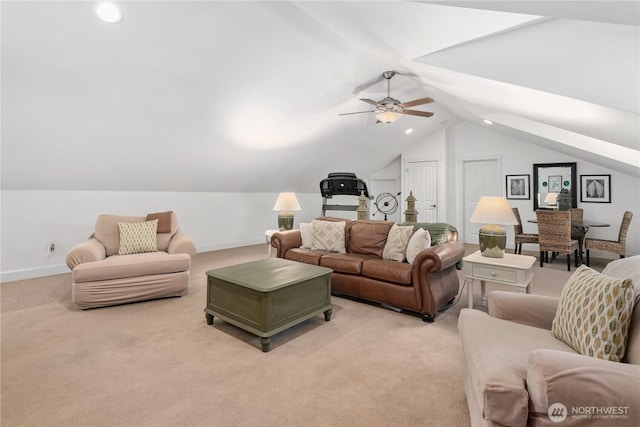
column 286, row 203
column 493, row 212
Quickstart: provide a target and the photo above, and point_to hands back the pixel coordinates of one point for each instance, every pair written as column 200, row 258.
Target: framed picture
column 555, row 183
column 595, row 188
column 518, row 187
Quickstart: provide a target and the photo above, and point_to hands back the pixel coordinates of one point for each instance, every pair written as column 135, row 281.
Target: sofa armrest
column 180, row 243
column 285, row 240
column 88, row 251
column 526, row 309
column 589, row 385
column 439, row 257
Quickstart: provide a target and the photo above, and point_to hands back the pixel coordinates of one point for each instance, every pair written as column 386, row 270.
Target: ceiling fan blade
column 413, row 103
column 357, row 112
column 367, row 84
column 369, row 101
column 417, row 113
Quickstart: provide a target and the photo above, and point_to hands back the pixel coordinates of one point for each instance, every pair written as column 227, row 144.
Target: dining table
column 584, row 226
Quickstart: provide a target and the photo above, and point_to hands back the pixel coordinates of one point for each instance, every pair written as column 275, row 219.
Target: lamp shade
column 286, row 202
column 493, row 210
column 388, row 116
column 551, row 198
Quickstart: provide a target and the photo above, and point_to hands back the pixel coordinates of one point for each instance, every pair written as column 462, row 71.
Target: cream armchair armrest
column 585, row 386
column 88, row 251
column 180, row 243
column 526, row 309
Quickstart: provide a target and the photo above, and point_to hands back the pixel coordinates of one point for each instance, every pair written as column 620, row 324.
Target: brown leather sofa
column 424, row 287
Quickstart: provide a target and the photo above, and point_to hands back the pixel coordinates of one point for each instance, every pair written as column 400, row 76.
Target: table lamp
column 286, row 203
column 493, row 212
column 551, row 199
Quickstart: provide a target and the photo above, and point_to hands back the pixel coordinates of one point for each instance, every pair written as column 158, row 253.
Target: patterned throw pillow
column 594, row 313
column 396, row 247
column 328, row 236
column 420, row 241
column 138, row 237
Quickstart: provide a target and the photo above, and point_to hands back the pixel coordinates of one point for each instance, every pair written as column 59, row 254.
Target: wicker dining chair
column 577, row 215
column 617, row 247
column 519, row 236
column 554, row 235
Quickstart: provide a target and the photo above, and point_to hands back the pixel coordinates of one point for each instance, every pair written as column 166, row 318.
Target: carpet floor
column 158, row 363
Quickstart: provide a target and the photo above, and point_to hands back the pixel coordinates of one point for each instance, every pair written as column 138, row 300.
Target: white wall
column 468, row 140
column 32, row 219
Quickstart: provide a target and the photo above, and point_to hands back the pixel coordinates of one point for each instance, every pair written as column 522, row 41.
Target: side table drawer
column 494, row 273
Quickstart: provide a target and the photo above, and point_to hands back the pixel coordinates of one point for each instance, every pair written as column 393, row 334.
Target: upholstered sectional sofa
column 526, row 366
column 360, row 269
column 102, row 275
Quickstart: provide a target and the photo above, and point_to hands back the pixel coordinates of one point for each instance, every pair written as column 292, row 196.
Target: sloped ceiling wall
column 245, row 96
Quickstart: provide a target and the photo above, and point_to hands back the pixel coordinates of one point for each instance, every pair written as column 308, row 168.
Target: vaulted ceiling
column 245, row 96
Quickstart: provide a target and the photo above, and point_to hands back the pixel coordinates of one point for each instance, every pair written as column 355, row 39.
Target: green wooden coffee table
column 268, row 296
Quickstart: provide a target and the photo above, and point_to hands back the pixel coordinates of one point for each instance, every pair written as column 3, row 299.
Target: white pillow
column 396, row 246
column 420, row 241
column 328, row 236
column 306, row 232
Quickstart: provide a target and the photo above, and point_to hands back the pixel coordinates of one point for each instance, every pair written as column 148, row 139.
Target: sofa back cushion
column 629, row 268
column 108, row 233
column 368, row 237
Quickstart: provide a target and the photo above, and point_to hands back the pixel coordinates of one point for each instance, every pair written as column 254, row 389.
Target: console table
column 514, row 270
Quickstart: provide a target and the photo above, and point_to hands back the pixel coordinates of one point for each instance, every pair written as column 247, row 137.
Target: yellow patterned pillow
column 594, row 313
column 138, row 237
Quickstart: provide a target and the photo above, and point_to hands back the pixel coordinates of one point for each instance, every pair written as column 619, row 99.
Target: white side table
column 514, row 270
column 268, row 235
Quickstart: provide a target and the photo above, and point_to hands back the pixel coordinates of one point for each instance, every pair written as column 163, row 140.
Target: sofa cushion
column 594, row 313
column 306, row 235
column 344, row 263
column 395, row 249
column 122, row 266
column 368, row 237
column 138, row 237
column 420, row 240
column 388, row 271
column 307, row 256
column 164, row 220
column 495, row 356
column 328, row 236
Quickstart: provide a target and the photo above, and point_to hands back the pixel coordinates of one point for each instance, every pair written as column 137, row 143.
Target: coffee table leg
column 209, row 318
column 266, row 343
column 327, row 315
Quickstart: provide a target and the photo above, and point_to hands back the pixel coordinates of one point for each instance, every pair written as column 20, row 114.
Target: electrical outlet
column 52, row 246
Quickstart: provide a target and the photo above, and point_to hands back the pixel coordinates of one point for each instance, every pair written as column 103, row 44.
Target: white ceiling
column 245, row 96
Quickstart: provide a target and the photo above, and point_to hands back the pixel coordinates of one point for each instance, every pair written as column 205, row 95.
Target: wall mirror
column 549, row 179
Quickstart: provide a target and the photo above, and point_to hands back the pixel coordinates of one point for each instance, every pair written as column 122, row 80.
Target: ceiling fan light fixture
column 388, row 116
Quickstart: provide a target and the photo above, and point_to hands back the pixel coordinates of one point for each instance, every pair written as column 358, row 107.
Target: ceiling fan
column 389, row 109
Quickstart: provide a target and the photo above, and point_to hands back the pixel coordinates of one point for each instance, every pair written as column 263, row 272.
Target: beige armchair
column 152, row 261
column 517, row 373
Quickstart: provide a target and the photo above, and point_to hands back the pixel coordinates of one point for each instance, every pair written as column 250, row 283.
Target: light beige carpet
column 158, row 363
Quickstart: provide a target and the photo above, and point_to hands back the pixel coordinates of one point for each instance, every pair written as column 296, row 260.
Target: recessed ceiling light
column 109, row 12
column 489, row 122
column 408, row 131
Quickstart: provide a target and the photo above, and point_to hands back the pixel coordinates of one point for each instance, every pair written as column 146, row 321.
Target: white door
column 382, row 190
column 422, row 179
column 481, row 178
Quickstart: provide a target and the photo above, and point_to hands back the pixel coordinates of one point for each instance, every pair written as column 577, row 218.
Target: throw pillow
column 306, row 233
column 328, row 236
column 138, row 237
column 594, row 313
column 164, row 220
column 396, row 247
column 420, row 241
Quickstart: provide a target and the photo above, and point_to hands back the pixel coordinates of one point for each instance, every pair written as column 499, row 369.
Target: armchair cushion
column 594, row 313
column 107, row 232
column 138, row 237
column 164, row 220
column 554, row 376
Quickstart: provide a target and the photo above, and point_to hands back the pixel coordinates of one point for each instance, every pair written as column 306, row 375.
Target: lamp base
column 493, row 241
column 285, row 220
